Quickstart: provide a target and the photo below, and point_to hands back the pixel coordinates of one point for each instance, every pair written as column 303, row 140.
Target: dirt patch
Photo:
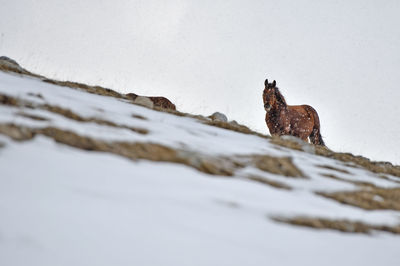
column 269, row 182
column 17, row 133
column 346, row 226
column 343, row 171
column 139, row 117
column 369, row 198
column 36, row 95
column 357, row 183
column 277, row 165
column 33, row 117
column 8, row 100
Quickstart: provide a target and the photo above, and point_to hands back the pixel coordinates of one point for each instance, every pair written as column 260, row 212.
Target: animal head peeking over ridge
column 269, row 95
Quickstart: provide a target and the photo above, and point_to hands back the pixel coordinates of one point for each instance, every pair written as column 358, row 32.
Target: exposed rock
column 10, row 65
column 234, row 123
column 217, row 116
column 144, row 101
column 8, row 61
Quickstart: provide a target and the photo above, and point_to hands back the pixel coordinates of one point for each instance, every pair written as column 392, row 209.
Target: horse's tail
column 315, row 136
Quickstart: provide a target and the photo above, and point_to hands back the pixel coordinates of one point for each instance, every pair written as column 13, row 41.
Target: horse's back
column 300, row 111
column 312, row 113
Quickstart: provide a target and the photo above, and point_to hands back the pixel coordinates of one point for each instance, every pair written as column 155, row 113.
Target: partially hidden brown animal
column 301, row 121
column 157, row 101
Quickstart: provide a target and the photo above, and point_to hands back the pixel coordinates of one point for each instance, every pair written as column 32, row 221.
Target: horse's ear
column 266, row 83
column 273, row 84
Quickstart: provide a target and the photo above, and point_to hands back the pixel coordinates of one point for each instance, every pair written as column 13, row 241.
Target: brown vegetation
column 277, row 165
column 8, row 100
column 369, row 197
column 269, row 182
column 346, row 226
column 376, row 167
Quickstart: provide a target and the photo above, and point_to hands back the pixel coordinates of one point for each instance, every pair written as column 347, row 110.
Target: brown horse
column 301, row 121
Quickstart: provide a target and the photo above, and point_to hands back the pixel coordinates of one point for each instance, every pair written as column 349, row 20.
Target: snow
column 64, row 206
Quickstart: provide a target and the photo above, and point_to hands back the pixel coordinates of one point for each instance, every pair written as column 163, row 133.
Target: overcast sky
column 341, row 57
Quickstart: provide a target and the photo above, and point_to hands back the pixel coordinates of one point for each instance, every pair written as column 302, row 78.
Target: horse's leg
column 315, row 136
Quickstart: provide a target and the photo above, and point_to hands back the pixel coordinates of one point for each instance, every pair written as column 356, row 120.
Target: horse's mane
column 279, row 96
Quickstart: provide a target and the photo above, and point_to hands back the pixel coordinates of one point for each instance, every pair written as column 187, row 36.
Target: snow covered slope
column 90, row 179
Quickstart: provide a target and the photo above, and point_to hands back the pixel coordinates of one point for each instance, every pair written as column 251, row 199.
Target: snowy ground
column 66, row 206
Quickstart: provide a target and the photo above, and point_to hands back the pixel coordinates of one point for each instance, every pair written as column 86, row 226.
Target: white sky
column 341, row 57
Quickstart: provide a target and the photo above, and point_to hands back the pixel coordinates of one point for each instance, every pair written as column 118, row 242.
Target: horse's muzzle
column 267, row 107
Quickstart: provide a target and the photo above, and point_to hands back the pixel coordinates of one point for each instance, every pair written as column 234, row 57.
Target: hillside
column 89, row 177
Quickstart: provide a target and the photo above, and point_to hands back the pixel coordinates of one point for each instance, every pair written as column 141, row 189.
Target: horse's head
column 269, row 95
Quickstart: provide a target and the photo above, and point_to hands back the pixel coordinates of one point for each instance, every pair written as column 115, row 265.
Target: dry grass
column 376, row 167
column 33, row 117
column 5, row 67
column 16, row 132
column 139, row 117
column 343, row 171
column 8, row 100
column 231, row 126
column 369, row 197
column 277, row 165
column 286, row 143
column 346, row 226
column 11, row 101
column 350, row 159
column 266, row 181
column 91, row 89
